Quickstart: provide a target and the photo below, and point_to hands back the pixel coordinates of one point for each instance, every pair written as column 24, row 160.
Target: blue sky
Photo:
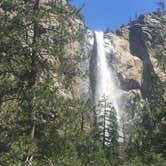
column 100, row 14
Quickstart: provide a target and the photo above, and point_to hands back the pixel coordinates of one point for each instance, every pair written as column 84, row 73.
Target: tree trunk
column 32, row 81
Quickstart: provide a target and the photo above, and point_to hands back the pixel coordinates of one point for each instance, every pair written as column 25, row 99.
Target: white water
column 105, row 80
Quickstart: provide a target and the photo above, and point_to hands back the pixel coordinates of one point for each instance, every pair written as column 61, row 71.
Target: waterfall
column 106, row 85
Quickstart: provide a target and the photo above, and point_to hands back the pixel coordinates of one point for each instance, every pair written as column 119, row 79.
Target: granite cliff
column 137, row 58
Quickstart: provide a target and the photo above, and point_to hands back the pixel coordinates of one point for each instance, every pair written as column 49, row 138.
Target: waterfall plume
column 106, row 85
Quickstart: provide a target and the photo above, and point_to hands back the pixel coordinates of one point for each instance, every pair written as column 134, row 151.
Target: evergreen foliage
column 40, row 123
column 39, row 126
column 107, row 129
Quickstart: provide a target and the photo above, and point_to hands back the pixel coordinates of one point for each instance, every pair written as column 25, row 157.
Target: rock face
column 138, row 56
column 147, row 42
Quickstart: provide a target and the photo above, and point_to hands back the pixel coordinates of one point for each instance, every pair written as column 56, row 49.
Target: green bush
column 149, row 160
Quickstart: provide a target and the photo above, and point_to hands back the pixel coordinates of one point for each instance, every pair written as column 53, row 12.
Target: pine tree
column 107, row 129
column 33, row 64
column 113, row 136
